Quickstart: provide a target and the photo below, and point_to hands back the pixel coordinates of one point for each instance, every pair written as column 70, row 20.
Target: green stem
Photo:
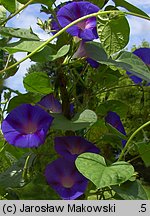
column 117, row 87
column 2, row 148
column 138, row 156
column 137, row 15
column 130, row 139
column 68, row 26
column 8, row 60
column 24, row 173
column 16, row 12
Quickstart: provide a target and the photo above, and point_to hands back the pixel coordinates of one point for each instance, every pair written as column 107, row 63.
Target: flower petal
column 93, row 63
column 113, row 119
column 144, row 54
column 71, row 146
column 51, row 103
column 59, row 170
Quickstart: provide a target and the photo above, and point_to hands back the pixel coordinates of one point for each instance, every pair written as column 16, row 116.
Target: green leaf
column 44, row 55
column 113, row 105
column 4, row 41
column 107, row 77
column 97, row 130
column 61, row 52
column 2, row 13
column 85, row 116
column 12, row 177
column 46, row 2
column 22, row 46
column 9, row 5
column 147, row 190
column 22, row 98
column 93, row 167
column 37, row 189
column 129, row 7
column 18, row 33
column 131, row 191
column 126, row 60
column 99, row 3
column 2, row 141
column 23, row 1
column 16, row 152
column 49, row 54
column 144, row 151
column 113, row 33
column 80, row 121
column 12, row 71
column 37, row 82
column 113, row 140
column 113, row 130
column 132, row 63
column 95, row 51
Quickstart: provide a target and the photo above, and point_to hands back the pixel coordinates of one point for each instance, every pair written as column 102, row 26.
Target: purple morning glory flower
column 65, row 179
column 51, row 103
column 71, row 146
column 26, row 126
column 93, row 63
column 113, row 119
column 55, row 27
column 85, row 29
column 81, row 52
column 144, row 55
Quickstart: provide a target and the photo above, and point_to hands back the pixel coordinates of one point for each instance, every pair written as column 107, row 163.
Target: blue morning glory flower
column 113, row 119
column 65, row 179
column 85, row 29
column 71, row 146
column 26, row 126
column 51, row 103
column 144, row 55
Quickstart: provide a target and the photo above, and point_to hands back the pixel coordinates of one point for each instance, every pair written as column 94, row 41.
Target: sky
column 139, row 31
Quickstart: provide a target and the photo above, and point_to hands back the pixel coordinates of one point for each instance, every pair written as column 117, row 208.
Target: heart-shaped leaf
column 38, row 82
column 113, row 33
column 131, row 191
column 126, row 60
column 81, row 120
column 117, row 106
column 93, row 167
column 22, row 46
column 18, row 33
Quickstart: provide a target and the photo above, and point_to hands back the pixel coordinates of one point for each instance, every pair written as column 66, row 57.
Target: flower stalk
column 130, row 139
